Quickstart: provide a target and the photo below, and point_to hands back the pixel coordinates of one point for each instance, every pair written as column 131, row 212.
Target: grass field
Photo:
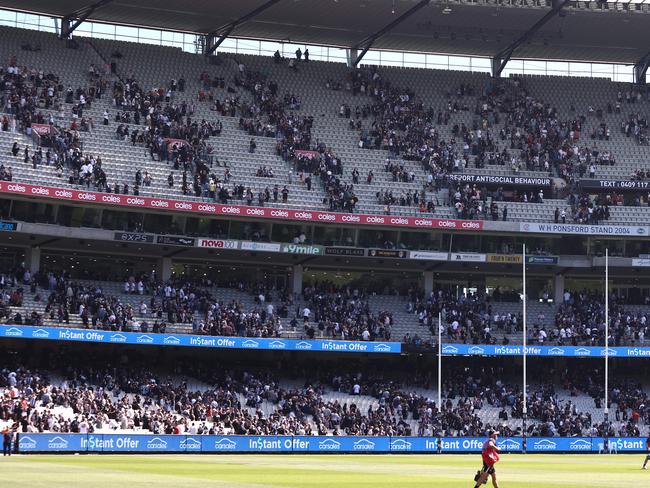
column 250, row 471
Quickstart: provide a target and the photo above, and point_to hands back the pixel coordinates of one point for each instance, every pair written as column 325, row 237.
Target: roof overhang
column 615, row 32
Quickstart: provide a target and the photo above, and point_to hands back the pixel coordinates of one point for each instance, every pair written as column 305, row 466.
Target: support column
column 559, row 288
column 33, row 259
column 296, row 278
column 351, row 55
column 209, row 42
column 164, row 268
column 428, row 283
column 496, row 67
column 66, row 24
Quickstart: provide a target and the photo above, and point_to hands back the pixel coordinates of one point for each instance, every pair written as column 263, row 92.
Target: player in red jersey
column 490, row 455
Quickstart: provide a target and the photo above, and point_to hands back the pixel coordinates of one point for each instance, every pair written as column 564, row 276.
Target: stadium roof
column 584, row 31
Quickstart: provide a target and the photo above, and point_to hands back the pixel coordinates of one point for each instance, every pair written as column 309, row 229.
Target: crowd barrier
column 280, row 344
column 549, row 351
column 213, row 208
column 116, row 443
column 187, row 340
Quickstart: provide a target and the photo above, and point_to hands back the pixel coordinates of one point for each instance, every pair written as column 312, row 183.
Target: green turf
column 251, row 471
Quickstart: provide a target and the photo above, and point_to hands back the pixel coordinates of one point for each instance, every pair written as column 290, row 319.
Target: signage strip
column 585, row 229
column 224, row 444
column 187, row 340
column 212, row 208
column 546, row 351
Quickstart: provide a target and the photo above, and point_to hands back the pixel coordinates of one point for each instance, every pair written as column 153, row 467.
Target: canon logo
column 207, row 208
column 39, row 190
column 399, row 221
column 375, row 220
column 471, row 225
column 447, row 223
column 183, row 206
column 159, row 203
column 18, row 188
column 303, row 215
column 351, row 218
column 111, row 199
column 230, row 210
column 87, row 196
column 63, row 193
column 328, row 217
column 423, row 222
column 135, row 201
column 279, row 213
column 254, row 211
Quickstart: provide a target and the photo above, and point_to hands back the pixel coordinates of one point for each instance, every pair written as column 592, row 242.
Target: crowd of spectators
column 466, row 318
column 343, row 312
column 584, row 210
column 26, row 92
column 102, row 395
column 146, row 304
column 580, row 319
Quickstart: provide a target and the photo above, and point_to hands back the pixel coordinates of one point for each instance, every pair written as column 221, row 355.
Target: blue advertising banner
column 549, row 351
column 475, row 444
column 413, row 444
column 620, row 444
column 245, row 444
column 52, row 442
column 555, row 444
column 135, row 443
column 305, row 444
column 185, row 340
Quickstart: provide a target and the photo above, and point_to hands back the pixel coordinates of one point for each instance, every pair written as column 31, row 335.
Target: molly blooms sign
column 210, row 208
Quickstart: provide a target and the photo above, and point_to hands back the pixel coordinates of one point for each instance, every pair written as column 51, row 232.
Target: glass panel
column 459, row 62
column 600, row 70
column 482, row 65
column 103, row 29
column 149, row 34
column 391, row 58
column 557, row 68
column 318, row 53
column 535, row 67
column 371, row 57
column 80, row 32
column 514, row 67
column 415, row 60
column 437, row 61
column 289, row 50
column 580, row 69
column 228, row 46
column 28, row 19
column 47, row 25
column 155, row 42
column 248, row 47
column 128, row 32
column 8, row 18
column 172, row 36
column 336, row 54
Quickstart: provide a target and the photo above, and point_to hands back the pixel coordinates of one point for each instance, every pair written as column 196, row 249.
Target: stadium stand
column 259, row 401
column 260, row 131
column 458, row 108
